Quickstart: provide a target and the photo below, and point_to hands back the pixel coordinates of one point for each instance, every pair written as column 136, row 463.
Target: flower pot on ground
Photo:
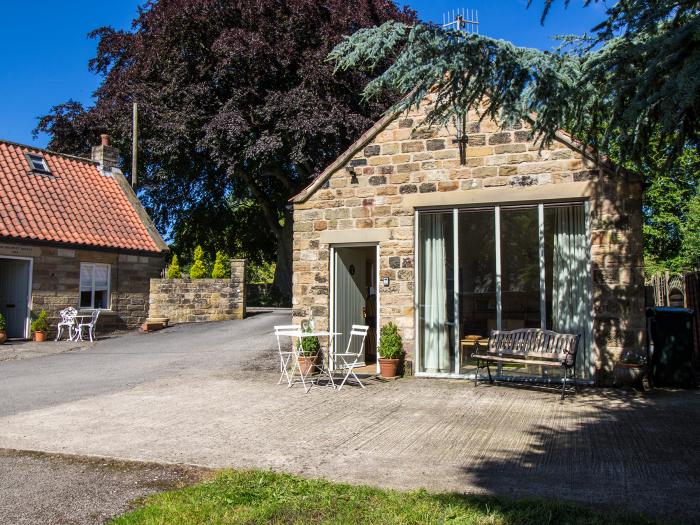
column 390, row 350
column 310, row 350
column 40, row 326
column 3, row 329
column 632, row 372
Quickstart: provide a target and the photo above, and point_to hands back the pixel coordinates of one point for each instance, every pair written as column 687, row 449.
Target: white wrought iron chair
column 67, row 321
column 348, row 360
column 293, row 332
column 90, row 326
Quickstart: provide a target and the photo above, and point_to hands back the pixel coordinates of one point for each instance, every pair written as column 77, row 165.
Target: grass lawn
column 266, row 497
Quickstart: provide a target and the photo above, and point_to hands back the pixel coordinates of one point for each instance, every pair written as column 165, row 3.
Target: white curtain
column 571, row 282
column 436, row 345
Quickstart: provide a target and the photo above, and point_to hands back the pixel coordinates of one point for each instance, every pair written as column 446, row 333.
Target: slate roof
column 75, row 204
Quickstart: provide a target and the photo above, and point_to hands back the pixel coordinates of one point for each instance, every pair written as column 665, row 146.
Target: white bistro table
column 324, row 367
column 78, row 334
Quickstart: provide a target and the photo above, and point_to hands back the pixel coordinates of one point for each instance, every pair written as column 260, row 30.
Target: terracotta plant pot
column 388, row 367
column 307, row 364
column 3, row 337
column 631, row 375
column 40, row 337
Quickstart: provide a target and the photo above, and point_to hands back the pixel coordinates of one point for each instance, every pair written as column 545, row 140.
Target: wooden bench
column 530, row 346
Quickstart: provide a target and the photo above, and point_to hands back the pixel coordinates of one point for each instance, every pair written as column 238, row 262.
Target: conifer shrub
column 198, row 269
column 174, row 271
column 390, row 344
column 222, row 266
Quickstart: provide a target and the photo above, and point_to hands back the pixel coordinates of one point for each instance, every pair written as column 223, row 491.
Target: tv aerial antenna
column 466, row 20
column 463, row 21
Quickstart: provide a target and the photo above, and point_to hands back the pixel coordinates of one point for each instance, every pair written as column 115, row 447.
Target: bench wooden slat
column 518, row 361
column 529, row 346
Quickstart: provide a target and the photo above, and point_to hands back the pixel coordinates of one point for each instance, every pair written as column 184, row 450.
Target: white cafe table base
column 323, row 367
column 77, row 331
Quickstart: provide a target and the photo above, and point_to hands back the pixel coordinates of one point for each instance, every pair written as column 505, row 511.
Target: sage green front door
column 14, row 295
column 350, row 293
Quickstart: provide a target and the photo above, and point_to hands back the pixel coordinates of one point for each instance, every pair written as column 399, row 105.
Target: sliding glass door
column 436, row 290
column 500, row 267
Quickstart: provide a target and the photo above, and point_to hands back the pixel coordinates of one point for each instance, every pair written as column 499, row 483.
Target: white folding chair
column 90, row 326
column 292, row 331
column 67, row 322
column 348, row 359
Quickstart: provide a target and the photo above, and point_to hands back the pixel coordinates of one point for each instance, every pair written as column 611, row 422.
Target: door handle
column 364, row 312
column 10, row 305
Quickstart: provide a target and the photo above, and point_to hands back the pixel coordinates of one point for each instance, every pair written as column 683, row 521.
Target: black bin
column 671, row 334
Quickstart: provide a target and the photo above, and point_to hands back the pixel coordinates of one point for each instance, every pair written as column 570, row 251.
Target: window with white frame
column 500, row 267
column 94, row 285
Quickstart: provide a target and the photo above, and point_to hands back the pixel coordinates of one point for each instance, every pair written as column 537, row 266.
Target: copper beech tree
column 238, row 110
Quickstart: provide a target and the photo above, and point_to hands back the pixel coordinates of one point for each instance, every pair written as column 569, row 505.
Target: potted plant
column 3, row 329
column 40, row 326
column 309, row 350
column 390, row 350
column 632, row 371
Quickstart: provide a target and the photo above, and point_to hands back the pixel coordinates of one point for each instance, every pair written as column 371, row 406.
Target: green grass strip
column 248, row 497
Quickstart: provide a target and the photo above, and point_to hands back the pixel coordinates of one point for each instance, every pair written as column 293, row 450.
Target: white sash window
column 94, row 285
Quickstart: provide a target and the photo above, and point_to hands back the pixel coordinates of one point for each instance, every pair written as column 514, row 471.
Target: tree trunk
column 283, row 270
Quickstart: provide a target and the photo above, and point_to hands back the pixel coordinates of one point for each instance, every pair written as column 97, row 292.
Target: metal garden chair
column 67, row 322
column 292, row 331
column 91, row 325
column 348, row 359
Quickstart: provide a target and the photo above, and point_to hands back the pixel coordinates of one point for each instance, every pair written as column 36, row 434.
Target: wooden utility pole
column 134, row 145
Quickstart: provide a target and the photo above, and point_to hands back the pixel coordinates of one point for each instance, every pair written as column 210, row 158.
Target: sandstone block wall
column 199, row 300
column 56, row 283
column 406, row 159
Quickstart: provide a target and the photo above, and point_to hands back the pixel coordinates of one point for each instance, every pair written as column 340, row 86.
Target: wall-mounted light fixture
column 353, row 174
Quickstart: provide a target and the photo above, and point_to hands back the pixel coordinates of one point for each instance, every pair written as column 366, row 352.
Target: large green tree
column 238, row 111
column 630, row 90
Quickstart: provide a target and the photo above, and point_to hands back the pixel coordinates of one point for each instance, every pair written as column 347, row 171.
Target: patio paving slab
column 602, row 448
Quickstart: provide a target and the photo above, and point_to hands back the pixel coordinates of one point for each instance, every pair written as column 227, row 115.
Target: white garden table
column 324, row 367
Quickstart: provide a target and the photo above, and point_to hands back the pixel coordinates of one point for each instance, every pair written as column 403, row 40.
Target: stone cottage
column 512, row 235
column 72, row 233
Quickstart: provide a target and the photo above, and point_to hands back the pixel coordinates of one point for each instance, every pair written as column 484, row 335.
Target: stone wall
column 406, row 165
column 200, row 300
column 56, row 281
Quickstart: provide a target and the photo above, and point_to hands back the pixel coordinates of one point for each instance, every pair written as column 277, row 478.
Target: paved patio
column 603, row 448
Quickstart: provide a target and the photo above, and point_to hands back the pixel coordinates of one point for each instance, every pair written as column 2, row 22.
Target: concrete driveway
column 206, row 395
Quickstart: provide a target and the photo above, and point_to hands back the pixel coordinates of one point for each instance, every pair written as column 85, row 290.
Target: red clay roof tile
column 76, row 204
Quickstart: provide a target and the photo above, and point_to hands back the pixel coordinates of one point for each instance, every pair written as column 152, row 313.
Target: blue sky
column 45, row 50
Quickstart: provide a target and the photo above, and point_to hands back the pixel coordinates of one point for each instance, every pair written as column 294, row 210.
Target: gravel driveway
column 47, row 489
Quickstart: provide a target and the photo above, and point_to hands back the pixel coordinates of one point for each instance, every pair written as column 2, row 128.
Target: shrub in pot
column 40, row 326
column 3, row 329
column 310, row 349
column 390, row 350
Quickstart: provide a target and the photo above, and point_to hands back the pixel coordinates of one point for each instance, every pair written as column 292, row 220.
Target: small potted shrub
column 3, row 329
column 632, row 371
column 310, row 349
column 390, row 350
column 40, row 326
